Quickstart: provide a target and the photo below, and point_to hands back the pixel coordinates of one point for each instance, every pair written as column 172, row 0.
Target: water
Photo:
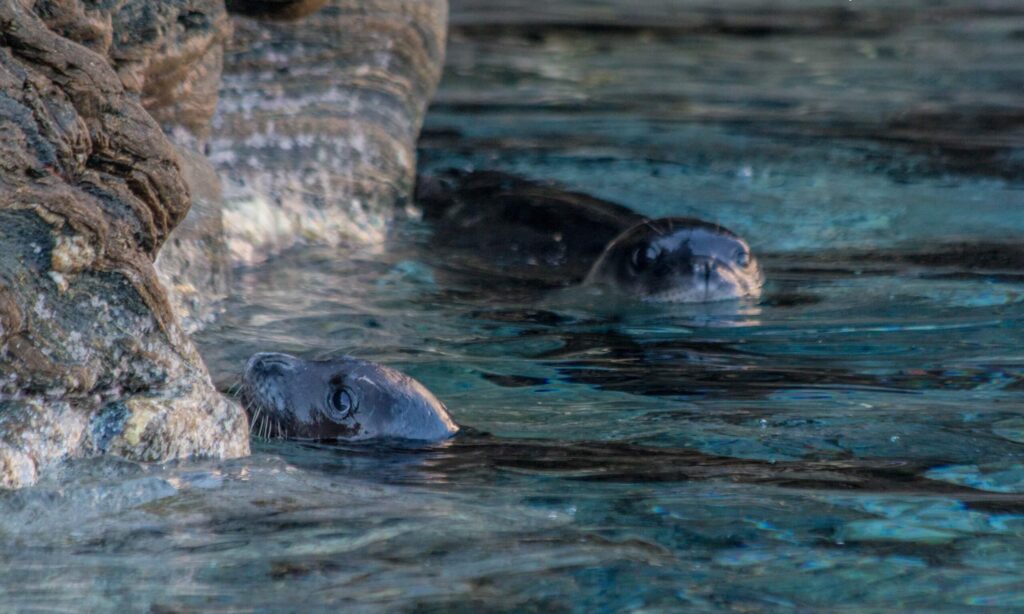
column 855, row 440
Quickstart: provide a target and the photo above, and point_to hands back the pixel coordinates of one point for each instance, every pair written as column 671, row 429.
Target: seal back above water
column 501, row 224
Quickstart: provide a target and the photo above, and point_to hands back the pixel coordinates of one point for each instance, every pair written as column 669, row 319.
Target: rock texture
column 105, row 109
column 316, row 127
column 92, row 357
column 193, row 263
column 275, row 9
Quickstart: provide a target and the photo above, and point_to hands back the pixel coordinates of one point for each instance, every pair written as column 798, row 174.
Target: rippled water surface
column 855, row 439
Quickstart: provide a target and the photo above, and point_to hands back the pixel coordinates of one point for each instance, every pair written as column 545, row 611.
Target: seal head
column 339, row 399
column 678, row 260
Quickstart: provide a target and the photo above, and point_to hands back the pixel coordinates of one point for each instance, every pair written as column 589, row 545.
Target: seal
column 678, row 260
column 339, row 399
column 540, row 233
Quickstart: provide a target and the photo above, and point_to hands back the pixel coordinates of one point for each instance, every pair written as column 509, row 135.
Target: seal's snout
column 711, row 270
column 262, row 382
column 264, row 393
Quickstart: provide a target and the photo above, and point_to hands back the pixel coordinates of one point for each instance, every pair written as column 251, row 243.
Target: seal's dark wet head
column 344, row 398
column 679, row 260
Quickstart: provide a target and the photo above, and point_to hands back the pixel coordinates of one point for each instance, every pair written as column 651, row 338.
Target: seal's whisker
column 234, row 391
column 255, row 419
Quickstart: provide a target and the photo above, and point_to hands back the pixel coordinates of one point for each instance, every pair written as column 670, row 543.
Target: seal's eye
column 643, row 257
column 341, row 402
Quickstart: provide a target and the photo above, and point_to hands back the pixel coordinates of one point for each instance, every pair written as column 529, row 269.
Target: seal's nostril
column 703, row 268
column 268, row 363
column 271, row 366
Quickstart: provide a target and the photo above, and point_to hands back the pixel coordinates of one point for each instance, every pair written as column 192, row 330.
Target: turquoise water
column 854, row 441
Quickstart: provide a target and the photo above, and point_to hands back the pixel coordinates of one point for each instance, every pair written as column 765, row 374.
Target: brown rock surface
column 105, row 110
column 91, row 355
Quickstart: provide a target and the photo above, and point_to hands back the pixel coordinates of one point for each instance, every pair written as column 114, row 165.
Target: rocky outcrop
column 105, row 110
column 92, row 357
column 314, row 136
column 317, row 123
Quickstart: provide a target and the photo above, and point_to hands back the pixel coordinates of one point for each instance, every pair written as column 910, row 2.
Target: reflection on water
column 853, row 438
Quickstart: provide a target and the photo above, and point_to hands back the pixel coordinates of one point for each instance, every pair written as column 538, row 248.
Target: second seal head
column 678, row 260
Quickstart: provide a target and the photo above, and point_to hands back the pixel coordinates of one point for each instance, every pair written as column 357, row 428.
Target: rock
column 105, row 108
column 275, row 9
column 193, row 263
column 314, row 139
column 92, row 356
column 315, row 132
column 170, row 53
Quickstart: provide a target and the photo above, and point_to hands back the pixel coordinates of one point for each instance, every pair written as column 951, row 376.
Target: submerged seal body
column 339, row 399
column 505, row 225
column 501, row 225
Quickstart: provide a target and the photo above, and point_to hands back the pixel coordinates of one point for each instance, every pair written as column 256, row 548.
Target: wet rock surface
column 92, row 355
column 193, row 264
column 105, row 107
column 315, row 132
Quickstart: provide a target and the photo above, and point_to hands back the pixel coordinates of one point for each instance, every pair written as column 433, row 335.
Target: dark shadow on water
column 475, row 459
column 705, row 369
